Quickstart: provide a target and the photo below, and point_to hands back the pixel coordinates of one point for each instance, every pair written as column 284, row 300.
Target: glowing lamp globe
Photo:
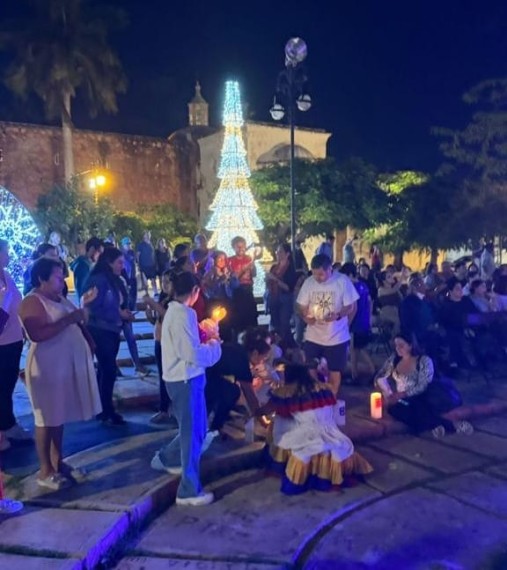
column 277, row 112
column 295, row 51
column 20, row 231
column 304, row 102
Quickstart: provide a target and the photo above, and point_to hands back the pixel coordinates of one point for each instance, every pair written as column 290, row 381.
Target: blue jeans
column 189, row 408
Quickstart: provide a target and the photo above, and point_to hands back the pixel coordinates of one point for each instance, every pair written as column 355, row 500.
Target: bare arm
column 35, row 320
column 302, row 311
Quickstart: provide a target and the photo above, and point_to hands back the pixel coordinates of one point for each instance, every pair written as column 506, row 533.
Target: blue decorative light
column 18, row 228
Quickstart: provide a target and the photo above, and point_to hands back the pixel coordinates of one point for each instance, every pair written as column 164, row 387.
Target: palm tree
column 59, row 49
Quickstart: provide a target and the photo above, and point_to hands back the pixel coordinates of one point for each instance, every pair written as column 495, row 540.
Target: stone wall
column 141, row 170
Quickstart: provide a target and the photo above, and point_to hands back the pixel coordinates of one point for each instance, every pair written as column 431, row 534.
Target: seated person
column 308, row 448
column 479, row 296
column 453, row 317
column 264, row 374
column 417, row 315
column 418, row 399
column 226, row 380
column 389, row 298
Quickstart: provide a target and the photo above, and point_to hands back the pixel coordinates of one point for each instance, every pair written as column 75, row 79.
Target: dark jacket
column 81, row 268
column 105, row 310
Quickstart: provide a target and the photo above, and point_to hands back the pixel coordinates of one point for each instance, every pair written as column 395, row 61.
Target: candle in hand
column 218, row 314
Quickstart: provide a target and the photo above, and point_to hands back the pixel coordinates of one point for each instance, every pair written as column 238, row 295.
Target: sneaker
column 156, row 463
column 199, row 501
column 5, row 444
column 160, row 418
column 463, row 427
column 18, row 433
column 438, row 432
column 54, row 482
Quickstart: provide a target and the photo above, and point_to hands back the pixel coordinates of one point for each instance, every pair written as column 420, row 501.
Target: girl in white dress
column 60, row 375
column 307, row 448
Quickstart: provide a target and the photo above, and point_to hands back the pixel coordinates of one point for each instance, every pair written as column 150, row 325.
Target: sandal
column 54, row 482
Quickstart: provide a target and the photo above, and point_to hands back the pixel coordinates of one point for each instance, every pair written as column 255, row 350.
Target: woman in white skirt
column 60, row 375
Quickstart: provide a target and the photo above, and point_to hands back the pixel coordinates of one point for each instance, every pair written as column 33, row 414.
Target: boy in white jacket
column 184, row 359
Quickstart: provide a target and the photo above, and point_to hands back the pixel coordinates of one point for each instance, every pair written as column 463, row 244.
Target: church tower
column 198, row 109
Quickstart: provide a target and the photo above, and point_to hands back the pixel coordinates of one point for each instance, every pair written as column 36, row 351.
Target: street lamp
column 95, row 182
column 290, row 89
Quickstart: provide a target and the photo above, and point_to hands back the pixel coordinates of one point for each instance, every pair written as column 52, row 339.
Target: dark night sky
column 382, row 73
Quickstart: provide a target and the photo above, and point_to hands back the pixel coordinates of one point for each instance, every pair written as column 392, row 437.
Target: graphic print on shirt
column 322, row 304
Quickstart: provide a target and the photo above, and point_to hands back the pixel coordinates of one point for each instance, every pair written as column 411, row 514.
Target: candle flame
column 218, row 314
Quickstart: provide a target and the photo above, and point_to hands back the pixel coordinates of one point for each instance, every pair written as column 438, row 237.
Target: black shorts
column 361, row 339
column 149, row 272
column 336, row 355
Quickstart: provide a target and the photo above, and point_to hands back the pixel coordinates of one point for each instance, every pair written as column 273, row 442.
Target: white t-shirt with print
column 322, row 299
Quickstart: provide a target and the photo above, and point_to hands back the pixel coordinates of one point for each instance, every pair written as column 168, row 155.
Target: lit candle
column 218, row 314
column 376, row 405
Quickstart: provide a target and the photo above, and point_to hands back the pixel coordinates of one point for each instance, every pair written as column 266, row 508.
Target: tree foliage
column 60, row 47
column 475, row 162
column 328, row 196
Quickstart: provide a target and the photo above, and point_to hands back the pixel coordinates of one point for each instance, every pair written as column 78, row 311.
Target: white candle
column 376, row 405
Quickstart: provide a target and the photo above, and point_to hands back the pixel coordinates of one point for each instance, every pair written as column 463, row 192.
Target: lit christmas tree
column 20, row 231
column 234, row 211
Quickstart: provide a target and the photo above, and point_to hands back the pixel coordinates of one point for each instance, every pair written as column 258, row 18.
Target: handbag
column 4, row 317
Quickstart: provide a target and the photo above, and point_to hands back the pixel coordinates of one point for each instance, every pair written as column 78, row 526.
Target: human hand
column 332, row 316
column 310, row 320
column 210, row 328
column 89, row 296
column 127, row 315
column 78, row 316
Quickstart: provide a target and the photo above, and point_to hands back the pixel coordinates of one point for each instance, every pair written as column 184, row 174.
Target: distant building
column 180, row 169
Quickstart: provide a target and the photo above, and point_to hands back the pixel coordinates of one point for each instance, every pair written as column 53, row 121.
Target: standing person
column 60, row 375
column 11, row 346
column 243, row 300
column 200, row 255
column 129, row 271
column 327, row 247
column 280, row 282
column 83, row 264
column 180, row 250
column 155, row 312
column 488, row 262
column 360, row 327
column 348, row 253
column 44, row 250
column 376, row 258
column 326, row 302
column 184, row 360
column 300, row 263
column 105, row 324
column 147, row 262
column 162, row 258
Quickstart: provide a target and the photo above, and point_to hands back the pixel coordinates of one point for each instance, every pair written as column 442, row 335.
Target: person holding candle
column 307, row 448
column 327, row 304
column 412, row 393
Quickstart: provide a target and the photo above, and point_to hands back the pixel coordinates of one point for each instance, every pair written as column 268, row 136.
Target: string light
column 234, row 210
column 18, row 228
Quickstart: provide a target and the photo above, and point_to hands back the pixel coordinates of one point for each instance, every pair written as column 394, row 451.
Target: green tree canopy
column 328, row 196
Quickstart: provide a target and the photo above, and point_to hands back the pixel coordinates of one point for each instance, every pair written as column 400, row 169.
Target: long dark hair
column 415, row 347
column 299, row 374
column 103, row 267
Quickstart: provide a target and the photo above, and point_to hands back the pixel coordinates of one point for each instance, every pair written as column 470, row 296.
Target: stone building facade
column 142, row 171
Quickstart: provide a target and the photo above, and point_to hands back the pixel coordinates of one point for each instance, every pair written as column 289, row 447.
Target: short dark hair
column 459, row 264
column 42, row 269
column 476, row 283
column 236, row 240
column 330, row 236
column 179, row 250
column 452, row 282
column 43, row 250
column 94, row 242
column 179, row 263
column 349, row 269
column 257, row 345
column 184, row 283
column 321, row 261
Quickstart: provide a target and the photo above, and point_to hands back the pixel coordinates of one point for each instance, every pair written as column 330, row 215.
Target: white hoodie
column 183, row 355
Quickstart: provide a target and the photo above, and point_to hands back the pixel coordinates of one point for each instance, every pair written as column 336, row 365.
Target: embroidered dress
column 307, row 446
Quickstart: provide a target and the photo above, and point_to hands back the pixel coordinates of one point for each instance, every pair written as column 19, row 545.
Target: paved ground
column 428, row 505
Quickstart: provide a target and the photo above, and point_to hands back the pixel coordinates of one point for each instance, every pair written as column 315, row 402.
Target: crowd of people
column 286, row 376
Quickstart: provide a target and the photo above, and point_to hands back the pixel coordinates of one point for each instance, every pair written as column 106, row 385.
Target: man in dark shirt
column 83, row 264
column 147, row 263
column 225, row 381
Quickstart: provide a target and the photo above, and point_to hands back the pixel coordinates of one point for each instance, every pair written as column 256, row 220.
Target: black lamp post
column 291, row 90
